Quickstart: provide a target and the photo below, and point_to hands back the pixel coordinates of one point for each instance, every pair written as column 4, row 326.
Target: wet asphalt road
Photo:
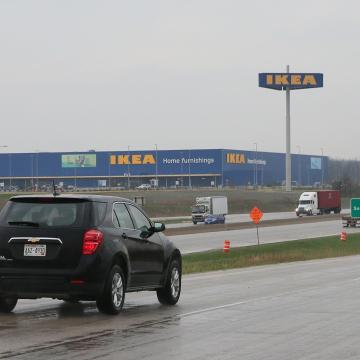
column 238, row 218
column 242, row 218
column 305, row 310
column 244, row 237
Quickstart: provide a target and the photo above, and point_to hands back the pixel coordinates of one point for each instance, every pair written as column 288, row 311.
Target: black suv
column 83, row 247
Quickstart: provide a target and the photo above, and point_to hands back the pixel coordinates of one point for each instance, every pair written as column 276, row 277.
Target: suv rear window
column 48, row 212
column 98, row 213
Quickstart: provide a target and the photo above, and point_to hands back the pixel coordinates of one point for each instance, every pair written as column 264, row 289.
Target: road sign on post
column 256, row 214
column 355, row 207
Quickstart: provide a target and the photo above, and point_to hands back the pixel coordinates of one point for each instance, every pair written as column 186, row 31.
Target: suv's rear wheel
column 170, row 293
column 112, row 299
column 7, row 304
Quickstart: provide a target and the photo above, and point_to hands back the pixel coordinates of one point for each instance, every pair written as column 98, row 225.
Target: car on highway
column 77, row 247
column 215, row 219
column 144, row 187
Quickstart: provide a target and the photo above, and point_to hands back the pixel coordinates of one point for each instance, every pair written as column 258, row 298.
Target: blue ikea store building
column 168, row 168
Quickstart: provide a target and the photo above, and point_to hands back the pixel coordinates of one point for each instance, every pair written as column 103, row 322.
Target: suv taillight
column 91, row 241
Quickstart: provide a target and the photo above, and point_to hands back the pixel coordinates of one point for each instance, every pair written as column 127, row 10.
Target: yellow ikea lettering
column 295, row 79
column 149, row 159
column 240, row 159
column 135, row 159
column 123, row 159
column 281, row 79
column 309, row 80
column 113, row 159
column 235, row 158
column 231, row 158
column 269, row 79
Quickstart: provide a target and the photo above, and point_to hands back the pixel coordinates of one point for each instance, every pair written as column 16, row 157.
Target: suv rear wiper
column 26, row 223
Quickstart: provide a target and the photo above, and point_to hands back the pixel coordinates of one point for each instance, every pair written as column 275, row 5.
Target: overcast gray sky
column 105, row 74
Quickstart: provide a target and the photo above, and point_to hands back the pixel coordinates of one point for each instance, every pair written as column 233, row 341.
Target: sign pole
column 290, row 81
column 256, row 215
column 288, row 146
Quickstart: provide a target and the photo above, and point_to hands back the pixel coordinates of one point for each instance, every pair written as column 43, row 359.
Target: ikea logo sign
column 235, row 158
column 292, row 81
column 238, row 158
column 136, row 159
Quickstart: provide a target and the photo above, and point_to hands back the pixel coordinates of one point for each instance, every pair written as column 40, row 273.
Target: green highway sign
column 355, row 207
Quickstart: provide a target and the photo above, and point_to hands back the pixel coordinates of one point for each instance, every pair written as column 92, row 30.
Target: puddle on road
column 61, row 311
column 57, row 319
column 120, row 338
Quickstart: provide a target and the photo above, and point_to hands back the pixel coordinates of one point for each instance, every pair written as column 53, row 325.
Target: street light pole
column 128, row 167
column 156, row 166
column 299, row 163
column 32, row 172
column 288, row 141
column 37, row 169
column 189, row 169
column 222, row 168
column 109, row 166
column 255, row 168
column 262, row 169
column 10, row 172
column 181, row 167
column 3, row 146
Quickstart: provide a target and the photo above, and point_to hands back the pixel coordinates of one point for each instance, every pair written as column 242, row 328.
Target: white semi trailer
column 208, row 205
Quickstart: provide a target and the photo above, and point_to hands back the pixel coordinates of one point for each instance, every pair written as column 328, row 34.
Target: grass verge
column 309, row 249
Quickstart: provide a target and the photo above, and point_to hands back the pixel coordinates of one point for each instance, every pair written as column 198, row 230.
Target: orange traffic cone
column 227, row 246
column 343, row 236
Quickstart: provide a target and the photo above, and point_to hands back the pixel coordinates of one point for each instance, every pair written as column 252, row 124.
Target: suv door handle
column 124, row 236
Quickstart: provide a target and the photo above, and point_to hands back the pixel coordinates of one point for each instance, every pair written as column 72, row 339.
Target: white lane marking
column 214, row 308
column 27, row 306
column 107, row 332
column 263, row 298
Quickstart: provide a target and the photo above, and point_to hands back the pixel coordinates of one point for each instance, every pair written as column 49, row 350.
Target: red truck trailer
column 319, row 202
column 329, row 200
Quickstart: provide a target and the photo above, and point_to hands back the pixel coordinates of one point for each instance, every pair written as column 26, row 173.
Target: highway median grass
column 298, row 250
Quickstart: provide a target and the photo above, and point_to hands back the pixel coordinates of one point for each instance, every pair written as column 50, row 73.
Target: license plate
column 34, row 250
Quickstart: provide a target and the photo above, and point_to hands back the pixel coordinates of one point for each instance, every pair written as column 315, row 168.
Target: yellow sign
column 293, row 79
column 136, row 159
column 234, row 158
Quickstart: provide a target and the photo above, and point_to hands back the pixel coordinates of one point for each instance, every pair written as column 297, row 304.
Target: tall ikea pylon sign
column 289, row 81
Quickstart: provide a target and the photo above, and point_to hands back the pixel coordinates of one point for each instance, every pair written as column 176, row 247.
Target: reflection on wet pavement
column 84, row 346
column 266, row 312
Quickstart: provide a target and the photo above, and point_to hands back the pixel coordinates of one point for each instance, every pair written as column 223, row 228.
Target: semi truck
column 349, row 221
column 352, row 219
column 209, row 205
column 319, row 203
